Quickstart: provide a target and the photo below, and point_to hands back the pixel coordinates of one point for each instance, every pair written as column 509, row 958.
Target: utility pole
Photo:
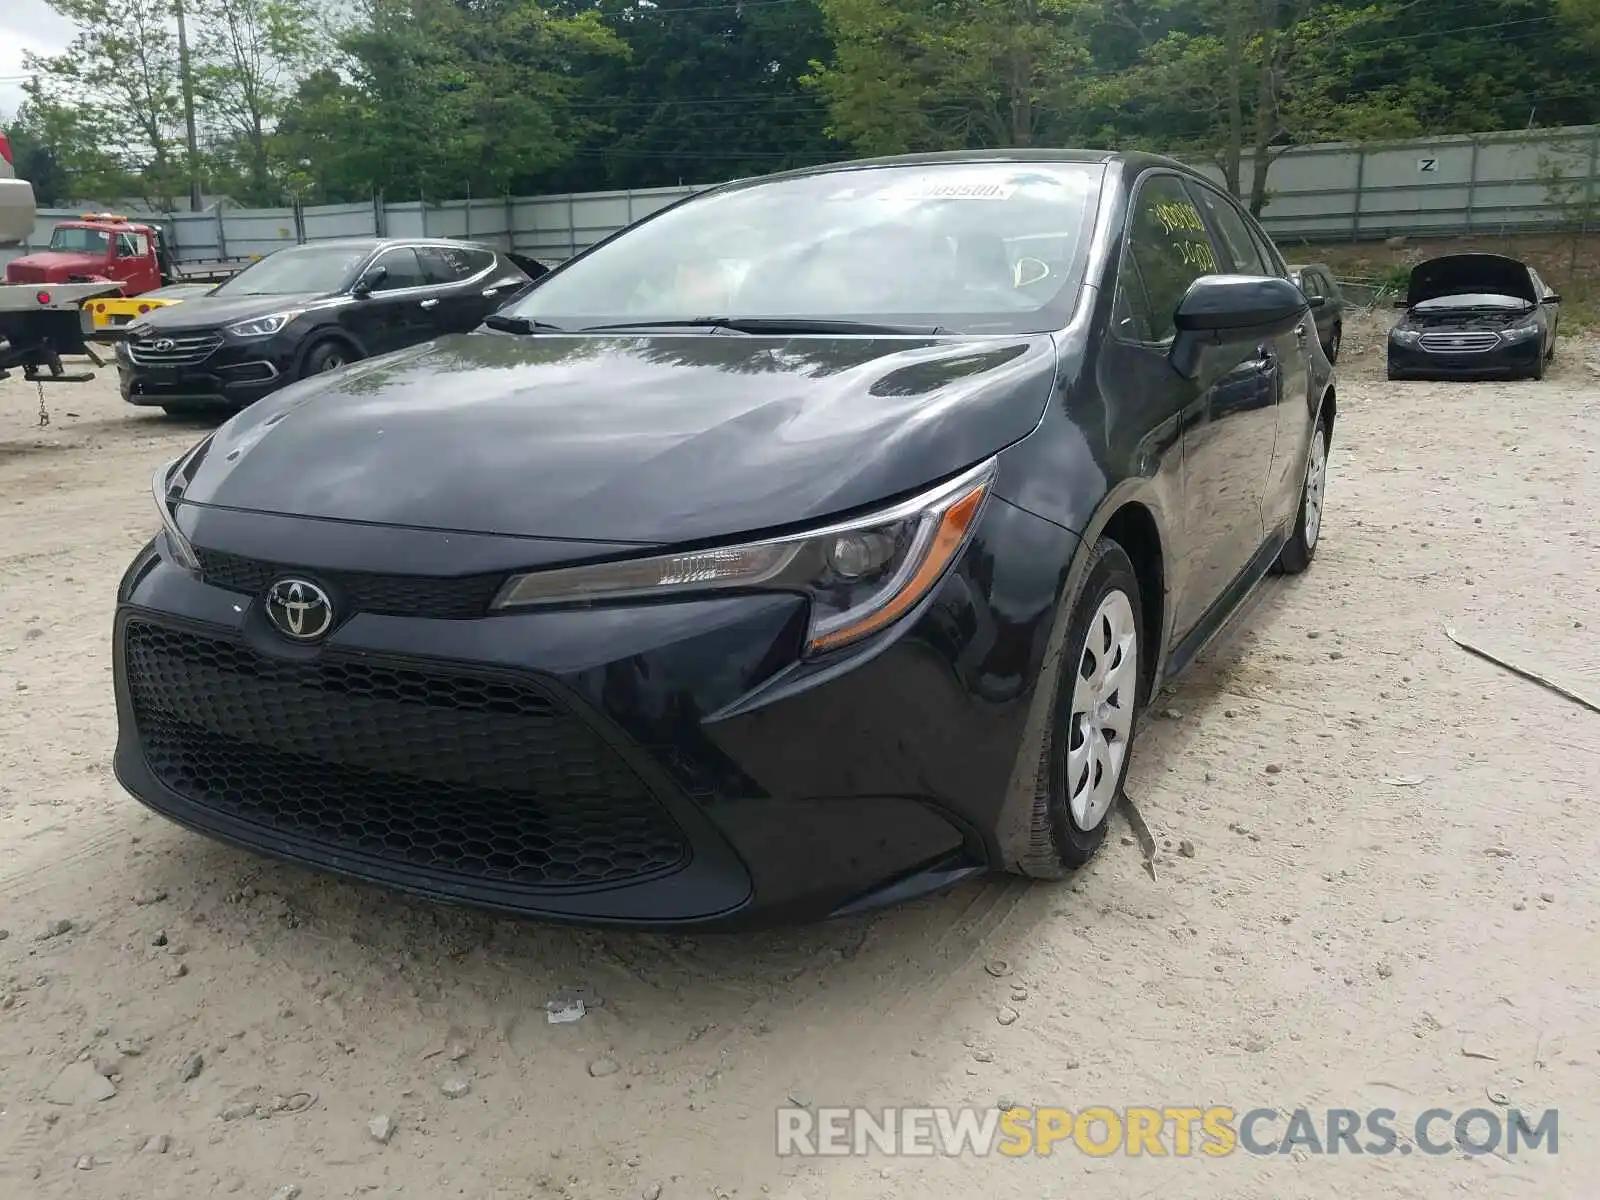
column 188, row 109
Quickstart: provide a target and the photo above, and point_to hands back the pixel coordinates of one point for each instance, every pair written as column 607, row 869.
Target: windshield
column 68, row 240
column 301, row 270
column 1474, row 300
column 970, row 247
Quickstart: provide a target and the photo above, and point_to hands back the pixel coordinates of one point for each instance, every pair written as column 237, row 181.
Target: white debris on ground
column 1376, row 887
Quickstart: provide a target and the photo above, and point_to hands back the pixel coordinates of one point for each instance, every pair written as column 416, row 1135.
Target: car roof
column 1132, row 162
column 373, row 244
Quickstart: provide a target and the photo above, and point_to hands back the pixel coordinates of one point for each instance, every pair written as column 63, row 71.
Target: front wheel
column 1301, row 547
column 327, row 356
column 1085, row 758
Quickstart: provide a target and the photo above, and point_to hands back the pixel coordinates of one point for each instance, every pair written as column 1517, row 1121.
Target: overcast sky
column 26, row 25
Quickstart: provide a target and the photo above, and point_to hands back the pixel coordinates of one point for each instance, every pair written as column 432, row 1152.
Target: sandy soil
column 1391, row 899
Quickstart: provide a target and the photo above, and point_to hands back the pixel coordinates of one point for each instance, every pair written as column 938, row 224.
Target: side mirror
column 1222, row 310
column 1315, row 303
column 368, row 283
column 1553, row 298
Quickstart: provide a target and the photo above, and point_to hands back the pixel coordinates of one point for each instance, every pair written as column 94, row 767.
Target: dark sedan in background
column 1474, row 316
column 310, row 309
column 1327, row 304
column 810, row 544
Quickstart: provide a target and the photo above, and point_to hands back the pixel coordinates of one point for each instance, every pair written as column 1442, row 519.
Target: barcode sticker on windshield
column 928, row 189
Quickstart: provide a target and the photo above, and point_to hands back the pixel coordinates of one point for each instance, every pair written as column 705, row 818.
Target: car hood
column 206, row 312
column 643, row 439
column 1463, row 274
column 52, row 265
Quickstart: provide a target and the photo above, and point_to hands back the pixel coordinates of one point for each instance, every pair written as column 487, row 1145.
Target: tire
column 1067, row 829
column 1332, row 348
column 327, row 355
column 1301, row 547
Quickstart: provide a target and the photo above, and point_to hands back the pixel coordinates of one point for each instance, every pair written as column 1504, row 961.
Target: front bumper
column 1508, row 360
column 672, row 764
column 234, row 375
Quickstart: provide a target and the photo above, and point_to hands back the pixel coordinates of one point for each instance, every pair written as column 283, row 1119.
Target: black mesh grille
column 464, row 775
column 459, row 599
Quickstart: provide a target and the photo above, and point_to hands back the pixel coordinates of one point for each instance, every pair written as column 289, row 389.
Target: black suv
column 309, row 309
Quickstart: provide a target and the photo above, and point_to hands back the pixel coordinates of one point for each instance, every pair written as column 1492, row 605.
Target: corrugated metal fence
column 1478, row 183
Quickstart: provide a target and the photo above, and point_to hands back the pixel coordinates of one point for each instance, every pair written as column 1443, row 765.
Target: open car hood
column 1467, row 274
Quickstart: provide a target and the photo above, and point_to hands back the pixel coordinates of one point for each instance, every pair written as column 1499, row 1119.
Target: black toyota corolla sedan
column 306, row 310
column 808, row 545
column 1474, row 316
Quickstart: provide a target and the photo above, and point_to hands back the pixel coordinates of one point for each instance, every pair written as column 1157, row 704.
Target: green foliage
column 59, row 149
column 1569, row 189
column 250, row 55
column 121, row 70
column 707, row 90
column 934, row 75
column 1396, row 279
column 444, row 98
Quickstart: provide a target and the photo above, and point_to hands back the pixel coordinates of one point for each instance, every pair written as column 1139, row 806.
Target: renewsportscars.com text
column 1168, row 1131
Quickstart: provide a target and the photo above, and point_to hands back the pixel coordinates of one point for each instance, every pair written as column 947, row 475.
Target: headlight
column 1520, row 333
column 166, row 481
column 1405, row 336
column 263, row 326
column 860, row 575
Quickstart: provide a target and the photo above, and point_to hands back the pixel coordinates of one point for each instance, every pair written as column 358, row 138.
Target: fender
column 1012, row 831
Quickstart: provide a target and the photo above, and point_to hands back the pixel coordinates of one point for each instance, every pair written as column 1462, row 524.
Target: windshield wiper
column 774, row 325
column 522, row 325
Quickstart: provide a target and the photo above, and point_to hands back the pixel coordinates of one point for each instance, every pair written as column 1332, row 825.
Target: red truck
column 100, row 247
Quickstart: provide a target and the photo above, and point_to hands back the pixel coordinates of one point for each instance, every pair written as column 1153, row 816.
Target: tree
column 706, row 92
column 1247, row 80
column 914, row 75
column 250, row 54
column 1584, row 17
column 1570, row 191
column 443, row 98
column 123, row 65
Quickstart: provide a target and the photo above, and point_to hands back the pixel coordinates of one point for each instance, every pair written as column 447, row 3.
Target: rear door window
column 1243, row 253
column 453, row 264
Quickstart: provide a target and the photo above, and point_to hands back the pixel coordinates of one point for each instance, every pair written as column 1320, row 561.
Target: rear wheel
column 1301, row 547
column 1085, row 759
column 1334, row 338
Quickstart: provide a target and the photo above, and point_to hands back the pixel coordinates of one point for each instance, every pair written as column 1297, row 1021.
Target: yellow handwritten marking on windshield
column 1175, row 216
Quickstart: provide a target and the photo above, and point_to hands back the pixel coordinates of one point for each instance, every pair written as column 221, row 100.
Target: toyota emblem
column 299, row 609
column 164, row 345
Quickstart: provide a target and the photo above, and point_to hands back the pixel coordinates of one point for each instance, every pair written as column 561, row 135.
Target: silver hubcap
column 333, row 362
column 1316, row 479
column 1333, row 345
column 1102, row 711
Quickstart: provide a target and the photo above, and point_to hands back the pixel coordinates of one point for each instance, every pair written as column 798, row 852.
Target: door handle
column 494, row 291
column 430, row 304
column 1300, row 332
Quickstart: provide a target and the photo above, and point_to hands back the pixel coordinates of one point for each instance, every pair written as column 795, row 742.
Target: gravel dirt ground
column 1390, row 900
